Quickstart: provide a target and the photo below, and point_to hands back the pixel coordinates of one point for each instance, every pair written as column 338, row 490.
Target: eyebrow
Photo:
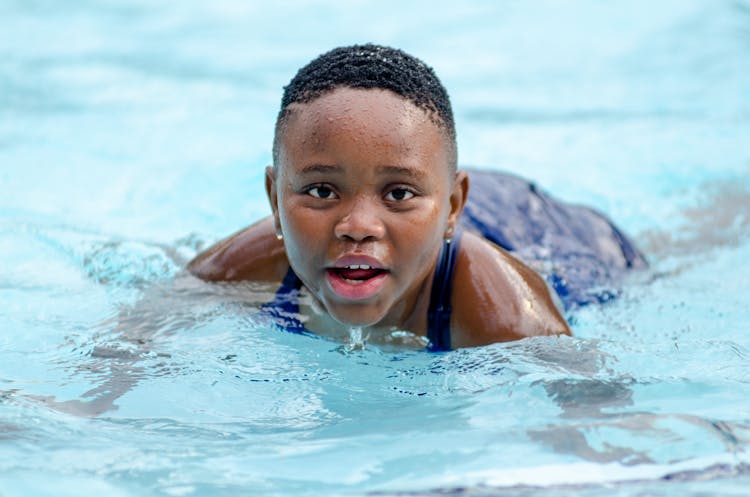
column 321, row 168
column 383, row 169
column 407, row 171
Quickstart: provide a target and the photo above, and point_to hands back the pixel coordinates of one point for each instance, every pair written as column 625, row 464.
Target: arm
column 496, row 298
column 253, row 254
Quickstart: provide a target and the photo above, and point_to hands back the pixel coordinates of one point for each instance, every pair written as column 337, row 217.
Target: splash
column 356, row 339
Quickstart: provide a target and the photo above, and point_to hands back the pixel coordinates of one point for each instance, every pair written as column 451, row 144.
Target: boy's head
column 370, row 67
column 365, row 175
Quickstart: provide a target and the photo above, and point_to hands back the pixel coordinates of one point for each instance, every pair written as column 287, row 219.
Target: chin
column 356, row 316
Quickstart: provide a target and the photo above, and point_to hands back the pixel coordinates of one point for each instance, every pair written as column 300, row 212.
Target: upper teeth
column 358, row 266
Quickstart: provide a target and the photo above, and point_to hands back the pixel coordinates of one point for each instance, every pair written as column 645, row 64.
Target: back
column 580, row 253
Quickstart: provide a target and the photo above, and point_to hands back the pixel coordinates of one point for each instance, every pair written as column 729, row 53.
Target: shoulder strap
column 285, row 305
column 439, row 313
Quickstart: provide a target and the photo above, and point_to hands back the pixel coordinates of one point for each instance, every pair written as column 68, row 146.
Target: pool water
column 133, row 134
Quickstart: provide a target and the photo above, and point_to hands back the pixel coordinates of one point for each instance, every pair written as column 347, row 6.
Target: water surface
column 133, row 134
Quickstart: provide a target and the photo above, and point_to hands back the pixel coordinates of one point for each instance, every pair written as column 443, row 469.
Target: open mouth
column 356, row 281
column 357, row 273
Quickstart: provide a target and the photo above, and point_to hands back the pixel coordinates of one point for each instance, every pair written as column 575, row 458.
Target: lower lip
column 355, row 289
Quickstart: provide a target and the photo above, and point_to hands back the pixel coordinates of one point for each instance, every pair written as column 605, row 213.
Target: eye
column 321, row 191
column 398, row 194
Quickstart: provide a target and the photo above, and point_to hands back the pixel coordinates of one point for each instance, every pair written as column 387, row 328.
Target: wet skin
column 363, row 194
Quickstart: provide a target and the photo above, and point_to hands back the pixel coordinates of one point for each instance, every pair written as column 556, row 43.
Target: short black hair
column 370, row 66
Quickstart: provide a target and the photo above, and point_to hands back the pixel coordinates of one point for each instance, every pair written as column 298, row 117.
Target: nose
column 360, row 222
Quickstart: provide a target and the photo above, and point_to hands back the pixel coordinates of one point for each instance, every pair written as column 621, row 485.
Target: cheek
column 420, row 236
column 294, row 217
column 304, row 232
column 294, row 223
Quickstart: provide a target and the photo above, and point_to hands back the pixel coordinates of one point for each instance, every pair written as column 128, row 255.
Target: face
column 364, row 196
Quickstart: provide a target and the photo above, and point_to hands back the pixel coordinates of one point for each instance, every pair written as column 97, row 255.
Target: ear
column 459, row 192
column 273, row 197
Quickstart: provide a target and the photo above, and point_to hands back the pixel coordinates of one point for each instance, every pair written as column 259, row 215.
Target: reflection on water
column 720, row 217
column 587, row 397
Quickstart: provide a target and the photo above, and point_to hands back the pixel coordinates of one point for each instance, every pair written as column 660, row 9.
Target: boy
column 367, row 203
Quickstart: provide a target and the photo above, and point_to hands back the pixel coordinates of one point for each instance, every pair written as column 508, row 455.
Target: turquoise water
column 134, row 133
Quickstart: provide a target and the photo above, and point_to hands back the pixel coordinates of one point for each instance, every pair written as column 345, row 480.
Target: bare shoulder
column 253, row 254
column 497, row 298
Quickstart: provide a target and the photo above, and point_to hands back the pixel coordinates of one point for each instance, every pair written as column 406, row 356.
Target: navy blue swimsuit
column 579, row 252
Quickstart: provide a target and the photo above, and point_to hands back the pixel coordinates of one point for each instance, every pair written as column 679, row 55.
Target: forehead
column 389, row 126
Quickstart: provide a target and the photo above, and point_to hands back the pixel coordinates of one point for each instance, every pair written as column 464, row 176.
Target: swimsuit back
column 580, row 253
